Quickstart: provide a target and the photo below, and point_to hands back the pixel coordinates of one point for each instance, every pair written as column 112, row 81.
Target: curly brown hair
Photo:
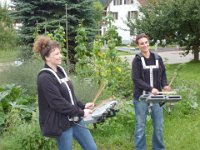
column 44, row 45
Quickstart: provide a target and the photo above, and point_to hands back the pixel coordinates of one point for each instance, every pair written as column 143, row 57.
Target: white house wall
column 123, row 29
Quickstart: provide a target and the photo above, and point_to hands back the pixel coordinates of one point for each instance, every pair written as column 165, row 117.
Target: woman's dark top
column 55, row 104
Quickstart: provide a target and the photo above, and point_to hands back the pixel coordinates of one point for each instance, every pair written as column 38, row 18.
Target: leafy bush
column 103, row 64
column 12, row 96
column 190, row 101
column 25, row 135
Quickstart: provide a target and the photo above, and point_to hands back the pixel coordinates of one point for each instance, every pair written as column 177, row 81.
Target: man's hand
column 155, row 91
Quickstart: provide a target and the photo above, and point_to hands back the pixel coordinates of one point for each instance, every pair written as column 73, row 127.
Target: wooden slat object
column 167, row 93
column 103, row 85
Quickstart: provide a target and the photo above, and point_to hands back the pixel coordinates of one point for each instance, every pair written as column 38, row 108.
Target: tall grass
column 9, row 55
column 23, row 75
column 189, row 72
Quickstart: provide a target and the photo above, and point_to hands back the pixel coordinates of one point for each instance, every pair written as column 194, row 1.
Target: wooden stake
column 105, row 101
column 99, row 92
column 173, row 79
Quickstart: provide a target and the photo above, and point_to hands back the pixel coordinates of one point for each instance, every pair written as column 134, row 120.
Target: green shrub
column 25, row 135
column 102, row 64
column 14, row 97
column 190, row 102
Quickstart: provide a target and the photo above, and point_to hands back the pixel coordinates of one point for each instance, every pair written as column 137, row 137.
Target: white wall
column 123, row 29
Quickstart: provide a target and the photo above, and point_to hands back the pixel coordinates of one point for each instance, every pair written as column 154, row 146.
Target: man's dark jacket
column 141, row 77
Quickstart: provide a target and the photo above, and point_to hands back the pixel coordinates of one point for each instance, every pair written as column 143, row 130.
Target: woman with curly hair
column 60, row 113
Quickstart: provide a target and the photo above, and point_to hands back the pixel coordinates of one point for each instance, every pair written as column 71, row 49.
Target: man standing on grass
column 149, row 77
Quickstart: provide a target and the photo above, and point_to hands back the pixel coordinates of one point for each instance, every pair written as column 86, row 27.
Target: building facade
column 122, row 10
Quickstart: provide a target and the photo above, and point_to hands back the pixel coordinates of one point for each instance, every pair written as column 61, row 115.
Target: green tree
column 7, row 32
column 102, row 64
column 177, row 21
column 105, row 2
column 111, row 32
column 98, row 7
column 47, row 15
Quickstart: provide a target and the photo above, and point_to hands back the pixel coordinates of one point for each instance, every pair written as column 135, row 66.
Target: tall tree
column 176, row 21
column 47, row 15
column 7, row 32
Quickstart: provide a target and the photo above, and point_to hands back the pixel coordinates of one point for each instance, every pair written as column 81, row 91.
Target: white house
column 121, row 9
column 3, row 2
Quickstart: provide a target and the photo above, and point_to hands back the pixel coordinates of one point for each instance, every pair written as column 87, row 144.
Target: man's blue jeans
column 141, row 111
column 82, row 135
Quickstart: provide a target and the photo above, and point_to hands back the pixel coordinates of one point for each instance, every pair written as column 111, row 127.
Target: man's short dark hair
column 139, row 36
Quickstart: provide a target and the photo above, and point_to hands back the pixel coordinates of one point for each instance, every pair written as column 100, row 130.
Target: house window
column 132, row 14
column 115, row 15
column 104, row 31
column 117, row 2
column 128, row 1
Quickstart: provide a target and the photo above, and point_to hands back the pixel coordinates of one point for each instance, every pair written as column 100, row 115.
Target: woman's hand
column 87, row 112
column 89, row 106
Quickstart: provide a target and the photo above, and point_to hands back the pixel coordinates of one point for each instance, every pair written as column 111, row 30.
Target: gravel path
column 171, row 57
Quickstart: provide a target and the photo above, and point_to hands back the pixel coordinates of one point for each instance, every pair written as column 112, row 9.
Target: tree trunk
column 196, row 54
